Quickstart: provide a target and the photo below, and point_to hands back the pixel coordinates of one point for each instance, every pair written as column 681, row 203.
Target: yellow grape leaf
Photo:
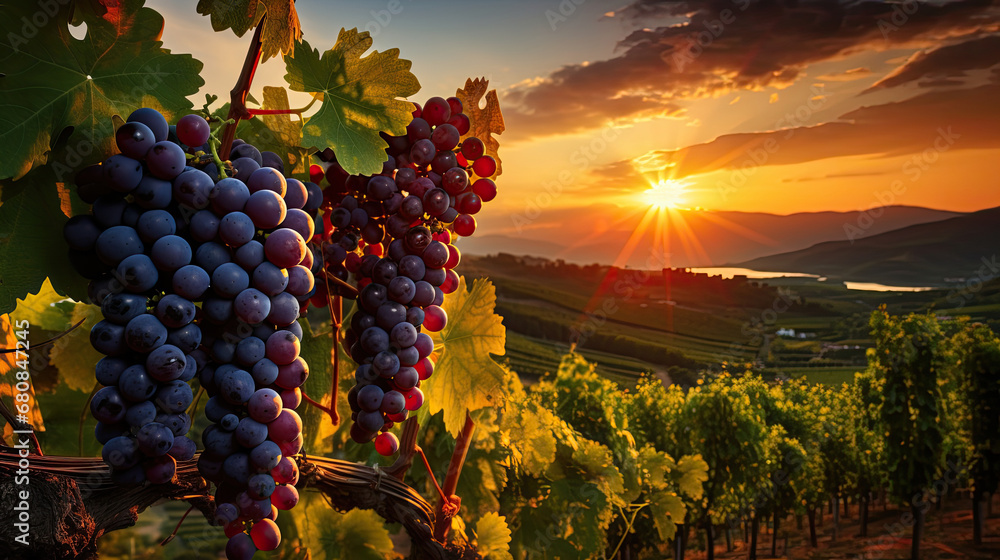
column 693, row 472
column 288, row 131
column 73, row 355
column 46, row 310
column 8, row 367
column 281, row 29
column 8, row 360
column 465, row 377
column 531, row 431
column 595, row 459
column 493, row 536
column 486, row 121
column 359, row 534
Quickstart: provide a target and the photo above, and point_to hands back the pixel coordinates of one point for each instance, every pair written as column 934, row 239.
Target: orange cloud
column 720, row 46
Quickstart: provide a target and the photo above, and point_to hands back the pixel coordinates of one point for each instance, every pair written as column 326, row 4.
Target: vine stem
column 448, row 508
column 628, row 528
column 407, row 447
column 336, row 308
column 298, row 111
column 177, row 528
column 83, row 418
column 238, row 95
column 430, row 472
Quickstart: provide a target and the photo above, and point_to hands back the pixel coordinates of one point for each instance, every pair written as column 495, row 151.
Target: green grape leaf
column 466, row 377
column 485, row 121
column 493, row 536
column 45, row 310
column 361, row 97
column 54, row 81
column 73, row 355
column 31, row 242
column 690, row 474
column 281, row 29
column 668, row 511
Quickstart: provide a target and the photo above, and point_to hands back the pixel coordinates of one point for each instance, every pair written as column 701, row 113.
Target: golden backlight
column 666, row 193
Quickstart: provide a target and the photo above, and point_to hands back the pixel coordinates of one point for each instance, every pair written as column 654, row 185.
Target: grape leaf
column 31, row 242
column 486, row 121
column 493, row 536
column 361, row 97
column 8, row 365
column 8, row 360
column 668, row 511
column 465, row 377
column 45, row 310
column 281, row 29
column 690, row 475
column 532, row 432
column 596, row 461
column 54, row 81
column 359, row 534
column 277, row 133
column 73, row 354
column 316, row 352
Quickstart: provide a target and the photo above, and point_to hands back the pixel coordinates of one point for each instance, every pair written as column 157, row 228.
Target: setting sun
column 666, row 193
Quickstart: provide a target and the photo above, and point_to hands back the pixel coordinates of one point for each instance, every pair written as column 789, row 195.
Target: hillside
column 697, row 238
column 927, row 254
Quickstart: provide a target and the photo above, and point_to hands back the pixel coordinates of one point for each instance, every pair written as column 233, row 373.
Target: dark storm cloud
column 940, row 66
column 703, row 49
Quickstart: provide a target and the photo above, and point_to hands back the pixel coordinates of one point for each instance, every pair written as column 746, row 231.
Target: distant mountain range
column 928, row 254
column 697, row 238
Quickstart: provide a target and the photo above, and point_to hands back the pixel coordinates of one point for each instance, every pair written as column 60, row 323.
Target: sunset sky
column 738, row 105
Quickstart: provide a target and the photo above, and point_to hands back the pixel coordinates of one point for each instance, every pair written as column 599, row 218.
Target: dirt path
column 948, row 536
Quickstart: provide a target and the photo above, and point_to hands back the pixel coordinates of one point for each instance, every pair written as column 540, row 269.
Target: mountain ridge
column 926, row 254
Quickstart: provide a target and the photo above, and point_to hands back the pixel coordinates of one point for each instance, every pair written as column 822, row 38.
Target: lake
column 729, row 272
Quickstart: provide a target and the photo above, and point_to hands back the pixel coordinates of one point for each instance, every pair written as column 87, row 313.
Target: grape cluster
column 199, row 271
column 393, row 231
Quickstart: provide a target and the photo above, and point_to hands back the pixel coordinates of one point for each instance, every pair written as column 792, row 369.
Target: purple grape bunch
column 199, row 272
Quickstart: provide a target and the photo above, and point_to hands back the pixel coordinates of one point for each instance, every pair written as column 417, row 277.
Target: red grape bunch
column 393, row 232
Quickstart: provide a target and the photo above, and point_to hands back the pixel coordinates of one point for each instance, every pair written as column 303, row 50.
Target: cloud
column 846, row 75
column 712, row 47
column 889, row 130
column 940, row 66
